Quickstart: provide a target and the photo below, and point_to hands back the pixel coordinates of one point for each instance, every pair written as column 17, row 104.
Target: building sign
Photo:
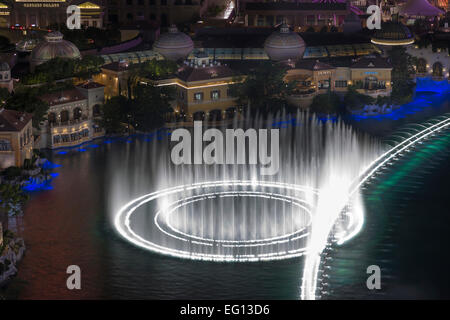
column 371, row 72
column 41, row 5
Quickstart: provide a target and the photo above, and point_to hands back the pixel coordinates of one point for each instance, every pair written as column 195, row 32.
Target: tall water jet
column 230, row 212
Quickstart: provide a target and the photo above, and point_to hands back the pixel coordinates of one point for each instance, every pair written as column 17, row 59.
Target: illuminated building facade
column 16, row 138
column 70, row 119
column 371, row 75
column 114, row 77
column 202, row 90
column 41, row 13
column 5, row 13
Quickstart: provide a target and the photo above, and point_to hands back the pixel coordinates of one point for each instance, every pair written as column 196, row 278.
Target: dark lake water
column 406, row 233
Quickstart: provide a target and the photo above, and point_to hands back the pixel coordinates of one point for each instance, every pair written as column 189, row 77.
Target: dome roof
column 284, row 45
column 393, row 33
column 174, row 45
column 4, row 66
column 53, row 46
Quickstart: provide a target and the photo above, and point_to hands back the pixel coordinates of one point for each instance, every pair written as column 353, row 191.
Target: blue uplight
column 50, row 165
column 62, row 152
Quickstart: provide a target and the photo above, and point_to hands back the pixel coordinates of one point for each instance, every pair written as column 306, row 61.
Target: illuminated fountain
column 231, row 212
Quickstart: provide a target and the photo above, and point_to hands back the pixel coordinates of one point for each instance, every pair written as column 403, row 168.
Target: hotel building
column 16, row 138
column 71, row 116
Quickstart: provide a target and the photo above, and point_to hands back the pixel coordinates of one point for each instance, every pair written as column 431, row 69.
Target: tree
column 354, row 100
column 157, row 69
column 115, row 113
column 150, row 106
column 4, row 95
column 12, row 198
column 263, row 89
column 27, row 101
column 402, row 84
column 326, row 103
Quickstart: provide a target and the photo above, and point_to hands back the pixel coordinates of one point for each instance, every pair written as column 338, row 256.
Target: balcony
column 68, row 123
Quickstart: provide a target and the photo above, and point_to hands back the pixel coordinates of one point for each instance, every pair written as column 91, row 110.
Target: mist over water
column 231, row 211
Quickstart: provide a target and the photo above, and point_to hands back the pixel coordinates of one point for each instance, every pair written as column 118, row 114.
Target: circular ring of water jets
column 164, row 236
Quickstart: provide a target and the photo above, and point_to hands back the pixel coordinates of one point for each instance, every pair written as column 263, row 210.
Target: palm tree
column 12, row 198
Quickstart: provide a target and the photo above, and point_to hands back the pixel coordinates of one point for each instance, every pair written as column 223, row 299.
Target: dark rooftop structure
column 314, row 65
column 62, row 97
column 371, row 62
column 91, row 85
column 11, row 120
column 190, row 73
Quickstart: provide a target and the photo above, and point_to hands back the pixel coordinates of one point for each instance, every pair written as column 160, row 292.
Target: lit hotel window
column 215, row 95
column 198, row 96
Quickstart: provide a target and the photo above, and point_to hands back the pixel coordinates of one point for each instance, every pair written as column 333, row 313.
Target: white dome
column 284, row 45
column 174, row 45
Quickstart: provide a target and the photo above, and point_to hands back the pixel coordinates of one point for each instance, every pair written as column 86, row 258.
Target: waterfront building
column 371, row 75
column 16, row 138
column 202, row 90
column 71, row 116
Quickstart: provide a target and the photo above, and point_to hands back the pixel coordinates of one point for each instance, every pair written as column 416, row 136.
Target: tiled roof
column 90, row 85
column 371, row 62
column 62, row 97
column 188, row 73
column 314, row 65
column 11, row 120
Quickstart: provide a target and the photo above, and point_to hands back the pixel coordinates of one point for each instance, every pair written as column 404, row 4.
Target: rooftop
column 371, row 62
column 62, row 97
column 90, row 85
column 314, row 65
column 116, row 66
column 11, row 120
column 190, row 73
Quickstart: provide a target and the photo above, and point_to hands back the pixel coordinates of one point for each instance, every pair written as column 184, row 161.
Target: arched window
column 96, row 110
column 215, row 115
column 421, row 65
column 230, row 113
column 64, row 115
column 199, row 115
column 51, row 117
column 437, row 69
column 77, row 113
